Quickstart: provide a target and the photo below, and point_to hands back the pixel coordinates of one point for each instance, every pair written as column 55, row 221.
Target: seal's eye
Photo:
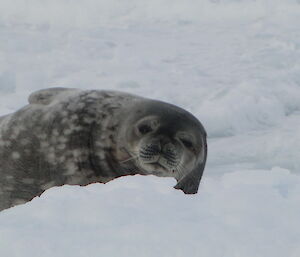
column 146, row 125
column 186, row 139
column 187, row 143
column 144, row 129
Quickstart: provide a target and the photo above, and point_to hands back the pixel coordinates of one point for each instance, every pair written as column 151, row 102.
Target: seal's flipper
column 189, row 184
column 46, row 96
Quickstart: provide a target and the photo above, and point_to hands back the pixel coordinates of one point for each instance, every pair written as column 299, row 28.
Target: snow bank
column 245, row 213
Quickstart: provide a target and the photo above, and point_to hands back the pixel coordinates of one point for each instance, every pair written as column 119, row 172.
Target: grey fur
column 69, row 136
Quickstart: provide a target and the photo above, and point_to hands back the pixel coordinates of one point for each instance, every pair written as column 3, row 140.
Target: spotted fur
column 69, row 136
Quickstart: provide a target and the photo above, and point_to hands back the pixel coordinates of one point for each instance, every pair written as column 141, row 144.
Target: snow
column 234, row 64
column 243, row 213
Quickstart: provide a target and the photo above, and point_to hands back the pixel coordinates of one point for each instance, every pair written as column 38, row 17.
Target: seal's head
column 166, row 141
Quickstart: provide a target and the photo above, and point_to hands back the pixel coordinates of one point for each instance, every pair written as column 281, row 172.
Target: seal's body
column 69, row 136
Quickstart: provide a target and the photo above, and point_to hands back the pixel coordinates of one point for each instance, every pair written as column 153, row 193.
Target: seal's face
column 167, row 142
column 161, row 151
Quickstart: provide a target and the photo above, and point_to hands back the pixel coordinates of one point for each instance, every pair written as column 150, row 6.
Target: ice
column 233, row 63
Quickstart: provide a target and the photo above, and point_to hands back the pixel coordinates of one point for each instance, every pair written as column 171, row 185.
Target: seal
column 78, row 137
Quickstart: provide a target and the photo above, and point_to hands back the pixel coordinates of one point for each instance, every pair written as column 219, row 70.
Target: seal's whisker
column 180, row 169
column 129, row 159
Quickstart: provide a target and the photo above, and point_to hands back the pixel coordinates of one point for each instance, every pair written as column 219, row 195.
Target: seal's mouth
column 161, row 158
column 157, row 169
column 157, row 165
column 151, row 160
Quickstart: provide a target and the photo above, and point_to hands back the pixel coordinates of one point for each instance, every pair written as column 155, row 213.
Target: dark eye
column 144, row 129
column 187, row 143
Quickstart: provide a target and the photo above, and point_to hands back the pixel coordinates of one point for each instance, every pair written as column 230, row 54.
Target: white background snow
column 235, row 64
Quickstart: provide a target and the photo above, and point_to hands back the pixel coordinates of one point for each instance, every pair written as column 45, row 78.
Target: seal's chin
column 157, row 169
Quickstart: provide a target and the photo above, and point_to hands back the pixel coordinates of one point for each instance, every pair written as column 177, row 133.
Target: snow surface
column 235, row 64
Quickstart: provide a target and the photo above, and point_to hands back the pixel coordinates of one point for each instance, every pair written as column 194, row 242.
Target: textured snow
column 234, row 64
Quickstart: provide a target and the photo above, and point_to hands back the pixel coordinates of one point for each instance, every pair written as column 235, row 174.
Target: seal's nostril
column 164, row 141
column 169, row 149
